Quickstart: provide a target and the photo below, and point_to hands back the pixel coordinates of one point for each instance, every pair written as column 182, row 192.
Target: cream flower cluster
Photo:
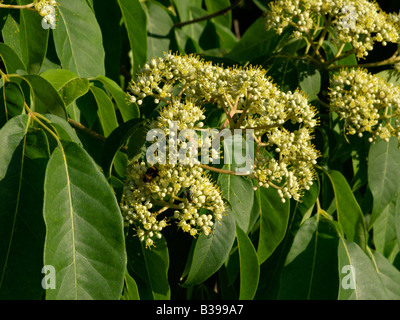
column 294, row 154
column 293, row 168
column 367, row 103
column 179, row 184
column 182, row 140
column 257, row 103
column 196, row 201
column 46, row 9
column 360, row 22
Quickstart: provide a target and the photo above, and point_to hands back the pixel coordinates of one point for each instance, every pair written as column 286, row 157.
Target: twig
column 340, row 57
column 209, row 16
column 228, row 114
column 324, row 104
column 16, row 6
column 323, row 35
column 393, row 59
column 316, row 51
column 236, row 28
column 87, row 130
column 206, row 167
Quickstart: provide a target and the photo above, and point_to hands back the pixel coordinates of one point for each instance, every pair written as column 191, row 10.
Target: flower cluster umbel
column 359, row 22
column 367, row 103
column 281, row 124
column 183, row 186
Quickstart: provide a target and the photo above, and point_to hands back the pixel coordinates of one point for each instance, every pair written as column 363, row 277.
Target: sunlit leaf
column 78, row 39
column 211, row 251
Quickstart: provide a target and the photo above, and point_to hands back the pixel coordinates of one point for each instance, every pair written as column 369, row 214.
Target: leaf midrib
column 351, row 264
column 68, row 35
column 71, row 213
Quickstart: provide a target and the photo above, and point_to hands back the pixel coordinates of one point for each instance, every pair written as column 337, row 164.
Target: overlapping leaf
column 366, row 277
column 22, row 165
column 149, row 268
column 349, row 213
column 84, row 239
column 78, row 39
column 135, row 21
column 310, row 270
column 211, row 251
column 249, row 266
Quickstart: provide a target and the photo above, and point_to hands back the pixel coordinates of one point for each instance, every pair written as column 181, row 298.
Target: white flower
column 46, row 8
column 360, row 22
column 367, row 103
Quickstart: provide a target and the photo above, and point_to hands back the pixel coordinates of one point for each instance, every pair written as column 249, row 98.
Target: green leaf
column 118, row 138
column 233, row 188
column 364, row 279
column 383, row 174
column 58, row 77
column 262, row 4
column 390, row 75
column 63, row 129
column 135, row 21
column 11, row 136
column 308, row 200
column 249, row 266
column 284, row 73
column 45, row 97
column 310, row 270
column 183, row 8
column 22, row 166
column 331, row 50
column 217, row 5
column 74, row 89
column 105, row 111
column 397, row 219
column 131, row 291
column 11, row 102
column 10, row 59
column 67, row 84
column 211, row 251
column 84, row 110
column 350, row 216
column 384, row 228
column 33, row 39
column 309, row 79
column 274, row 218
column 78, row 39
column 384, row 182
column 227, row 40
column 159, row 28
column 84, row 239
column 128, row 110
column 256, row 42
column 10, row 34
column 388, row 274
column 189, row 36
column 149, row 268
